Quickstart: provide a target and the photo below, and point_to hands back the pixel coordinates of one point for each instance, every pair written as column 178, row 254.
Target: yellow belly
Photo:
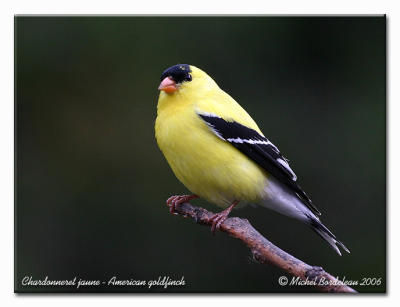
column 208, row 166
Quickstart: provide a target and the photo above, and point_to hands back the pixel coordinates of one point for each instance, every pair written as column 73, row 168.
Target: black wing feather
column 260, row 150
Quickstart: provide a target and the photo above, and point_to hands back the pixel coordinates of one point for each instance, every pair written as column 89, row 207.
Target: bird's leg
column 174, row 201
column 218, row 218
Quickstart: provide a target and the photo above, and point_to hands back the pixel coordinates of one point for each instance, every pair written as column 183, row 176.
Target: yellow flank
column 208, row 166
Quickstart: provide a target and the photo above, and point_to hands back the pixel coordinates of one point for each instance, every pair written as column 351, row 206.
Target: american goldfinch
column 218, row 152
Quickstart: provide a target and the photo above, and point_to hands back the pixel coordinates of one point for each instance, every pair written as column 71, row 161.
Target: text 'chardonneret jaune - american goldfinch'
column 218, row 152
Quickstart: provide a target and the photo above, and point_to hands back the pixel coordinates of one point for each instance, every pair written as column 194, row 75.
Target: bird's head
column 182, row 78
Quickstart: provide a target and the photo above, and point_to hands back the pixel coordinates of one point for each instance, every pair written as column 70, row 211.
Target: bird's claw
column 217, row 220
column 174, row 201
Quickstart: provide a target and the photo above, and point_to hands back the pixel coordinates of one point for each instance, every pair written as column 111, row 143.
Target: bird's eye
column 179, row 73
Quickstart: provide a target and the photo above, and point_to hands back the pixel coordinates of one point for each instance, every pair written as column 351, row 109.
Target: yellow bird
column 219, row 153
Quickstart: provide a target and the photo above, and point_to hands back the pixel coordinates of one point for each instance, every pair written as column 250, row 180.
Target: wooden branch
column 267, row 253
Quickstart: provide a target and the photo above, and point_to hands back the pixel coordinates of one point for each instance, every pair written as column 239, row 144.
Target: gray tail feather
column 327, row 235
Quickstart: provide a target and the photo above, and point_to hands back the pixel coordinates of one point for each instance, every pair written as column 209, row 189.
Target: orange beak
column 168, row 85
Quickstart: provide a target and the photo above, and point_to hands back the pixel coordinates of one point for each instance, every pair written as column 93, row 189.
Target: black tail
column 327, row 235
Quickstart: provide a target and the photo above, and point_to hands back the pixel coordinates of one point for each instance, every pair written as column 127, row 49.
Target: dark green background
column 91, row 183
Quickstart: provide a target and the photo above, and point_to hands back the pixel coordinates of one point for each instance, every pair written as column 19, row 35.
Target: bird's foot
column 174, row 201
column 218, row 218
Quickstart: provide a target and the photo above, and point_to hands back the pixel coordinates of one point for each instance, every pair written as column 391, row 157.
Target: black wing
column 260, row 150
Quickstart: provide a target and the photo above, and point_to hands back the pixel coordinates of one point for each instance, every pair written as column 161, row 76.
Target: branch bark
column 267, row 253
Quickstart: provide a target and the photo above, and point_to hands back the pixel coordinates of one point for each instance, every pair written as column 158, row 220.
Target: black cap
column 178, row 73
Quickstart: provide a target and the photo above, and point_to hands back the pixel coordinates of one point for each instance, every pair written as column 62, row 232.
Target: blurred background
column 91, row 183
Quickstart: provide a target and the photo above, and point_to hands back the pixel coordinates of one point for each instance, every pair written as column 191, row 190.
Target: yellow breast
column 208, row 166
